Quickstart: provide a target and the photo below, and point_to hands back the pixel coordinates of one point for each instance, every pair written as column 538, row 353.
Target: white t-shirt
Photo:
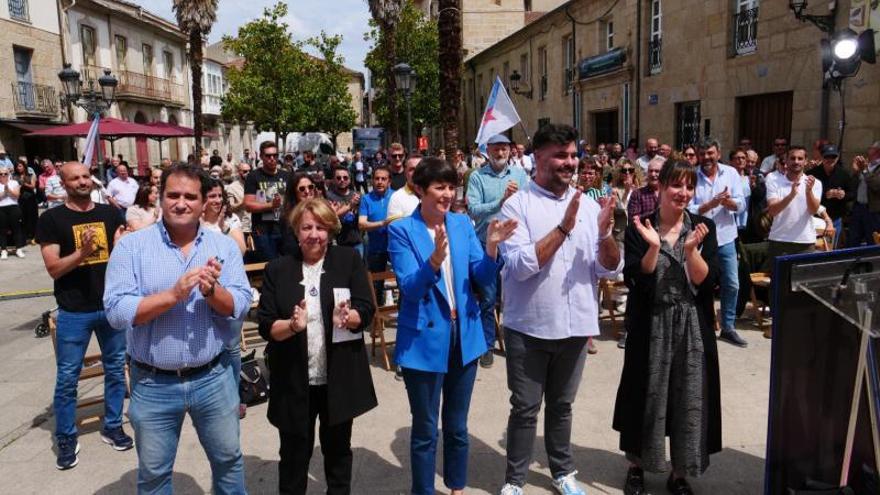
column 317, row 347
column 123, row 192
column 402, row 203
column 768, row 164
column 446, row 268
column 5, row 198
column 794, row 223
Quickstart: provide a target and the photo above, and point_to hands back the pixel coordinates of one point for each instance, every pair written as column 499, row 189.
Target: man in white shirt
column 652, row 147
column 780, row 146
column 521, row 159
column 122, row 190
column 404, row 200
column 552, row 264
column 792, row 200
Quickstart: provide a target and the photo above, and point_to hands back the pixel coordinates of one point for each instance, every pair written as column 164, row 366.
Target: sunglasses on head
column 627, row 170
column 309, row 187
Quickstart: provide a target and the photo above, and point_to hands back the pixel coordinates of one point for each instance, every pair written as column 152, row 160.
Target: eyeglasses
column 739, row 157
column 310, row 187
column 627, row 170
column 270, row 155
column 396, row 155
column 690, row 155
column 3, row 175
column 343, row 177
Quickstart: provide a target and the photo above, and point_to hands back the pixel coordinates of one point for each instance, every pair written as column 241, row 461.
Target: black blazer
column 350, row 390
column 630, row 405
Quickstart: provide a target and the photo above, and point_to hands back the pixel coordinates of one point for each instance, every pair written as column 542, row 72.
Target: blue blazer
column 424, row 323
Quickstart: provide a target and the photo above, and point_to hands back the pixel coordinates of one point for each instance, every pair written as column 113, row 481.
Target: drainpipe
column 638, row 78
column 571, row 57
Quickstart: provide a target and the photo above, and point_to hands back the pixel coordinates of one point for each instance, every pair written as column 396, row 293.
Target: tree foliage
column 281, row 88
column 416, row 42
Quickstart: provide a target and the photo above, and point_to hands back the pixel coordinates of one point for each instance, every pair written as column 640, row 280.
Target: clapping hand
column 568, row 221
column 606, row 215
column 186, row 282
column 345, row 317
column 720, row 198
column 300, row 318
column 510, row 190
column 499, row 231
column 441, row 243
column 794, row 188
column 809, row 181
column 695, row 237
column 647, row 231
column 89, row 242
column 208, row 277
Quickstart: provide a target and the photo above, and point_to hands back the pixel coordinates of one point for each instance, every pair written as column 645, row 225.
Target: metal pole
column 98, row 149
column 409, row 140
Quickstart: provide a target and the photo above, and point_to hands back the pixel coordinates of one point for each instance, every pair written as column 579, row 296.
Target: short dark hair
column 796, row 147
column 708, row 142
column 345, row 169
column 560, row 134
column 381, row 168
column 433, row 169
column 675, row 170
column 142, row 198
column 193, row 172
column 267, row 144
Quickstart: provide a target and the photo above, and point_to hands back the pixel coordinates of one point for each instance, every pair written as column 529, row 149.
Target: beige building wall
column 699, row 64
column 345, row 141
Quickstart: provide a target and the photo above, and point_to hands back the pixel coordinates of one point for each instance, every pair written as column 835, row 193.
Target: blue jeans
column 838, row 229
column 233, row 348
column 267, row 244
column 424, row 390
column 73, row 336
column 158, row 406
column 729, row 267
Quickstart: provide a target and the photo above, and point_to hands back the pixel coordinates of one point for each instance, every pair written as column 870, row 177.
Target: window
column 121, row 51
column 168, row 62
column 609, row 35
column 568, row 63
column 18, row 9
column 480, row 91
column 655, row 46
column 687, row 124
column 506, row 73
column 745, row 27
column 527, row 5
column 524, row 66
column 87, row 38
column 542, row 67
column 24, row 89
column 148, row 59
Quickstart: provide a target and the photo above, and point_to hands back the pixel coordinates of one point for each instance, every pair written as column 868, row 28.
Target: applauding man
column 792, row 200
column 177, row 290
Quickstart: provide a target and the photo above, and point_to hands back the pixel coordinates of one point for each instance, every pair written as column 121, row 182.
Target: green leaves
column 280, row 87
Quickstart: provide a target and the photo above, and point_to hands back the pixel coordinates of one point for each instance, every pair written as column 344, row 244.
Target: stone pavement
column 380, row 439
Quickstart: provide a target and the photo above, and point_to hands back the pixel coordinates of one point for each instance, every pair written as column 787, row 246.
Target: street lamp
column 95, row 103
column 405, row 77
column 823, row 22
column 515, row 78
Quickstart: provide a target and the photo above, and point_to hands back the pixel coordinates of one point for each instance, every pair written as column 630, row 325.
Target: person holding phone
column 315, row 305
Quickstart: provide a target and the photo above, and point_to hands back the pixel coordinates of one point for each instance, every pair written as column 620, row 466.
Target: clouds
column 306, row 18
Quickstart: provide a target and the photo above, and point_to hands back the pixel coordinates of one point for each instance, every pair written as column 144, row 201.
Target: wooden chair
column 876, row 237
column 823, row 242
column 383, row 315
column 93, row 367
column 608, row 288
column 760, row 279
column 250, row 335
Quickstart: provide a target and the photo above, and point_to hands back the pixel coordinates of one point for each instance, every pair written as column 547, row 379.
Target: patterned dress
column 676, row 403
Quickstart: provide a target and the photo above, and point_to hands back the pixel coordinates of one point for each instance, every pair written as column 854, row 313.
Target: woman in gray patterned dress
column 669, row 386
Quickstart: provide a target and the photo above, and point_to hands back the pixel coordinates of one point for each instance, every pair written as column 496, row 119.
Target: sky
column 306, row 18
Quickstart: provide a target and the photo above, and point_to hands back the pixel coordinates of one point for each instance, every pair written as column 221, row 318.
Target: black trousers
column 296, row 451
column 10, row 220
column 29, row 214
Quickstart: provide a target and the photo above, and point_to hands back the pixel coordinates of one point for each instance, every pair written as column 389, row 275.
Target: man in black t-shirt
column 346, row 203
column 75, row 240
column 396, row 159
column 263, row 190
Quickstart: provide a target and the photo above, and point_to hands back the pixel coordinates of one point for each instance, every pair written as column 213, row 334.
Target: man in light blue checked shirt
column 719, row 196
column 488, row 188
column 176, row 289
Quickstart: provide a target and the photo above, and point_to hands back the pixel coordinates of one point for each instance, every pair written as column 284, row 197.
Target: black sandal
column 678, row 486
column 635, row 482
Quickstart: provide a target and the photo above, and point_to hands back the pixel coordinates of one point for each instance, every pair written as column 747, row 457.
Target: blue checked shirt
column 191, row 333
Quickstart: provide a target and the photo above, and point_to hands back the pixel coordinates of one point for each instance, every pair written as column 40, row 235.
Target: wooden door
column 605, row 125
column 763, row 118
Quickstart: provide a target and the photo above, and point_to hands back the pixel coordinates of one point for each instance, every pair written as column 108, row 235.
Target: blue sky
column 306, row 18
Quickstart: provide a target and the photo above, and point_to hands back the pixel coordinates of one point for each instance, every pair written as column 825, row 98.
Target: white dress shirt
column 725, row 220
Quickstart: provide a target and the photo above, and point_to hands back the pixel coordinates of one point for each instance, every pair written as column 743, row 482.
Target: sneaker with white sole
column 509, row 489
column 19, row 253
column 117, row 439
column 3, row 255
column 68, row 448
column 567, row 485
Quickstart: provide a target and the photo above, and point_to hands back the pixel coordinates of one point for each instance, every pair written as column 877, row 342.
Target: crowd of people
column 155, row 268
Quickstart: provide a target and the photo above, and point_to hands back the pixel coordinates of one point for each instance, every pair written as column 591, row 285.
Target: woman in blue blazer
column 436, row 256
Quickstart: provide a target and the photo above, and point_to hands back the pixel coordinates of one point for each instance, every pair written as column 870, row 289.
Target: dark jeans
column 489, row 298
column 425, row 390
column 296, row 450
column 29, row 214
column 10, row 219
column 378, row 262
column 267, row 243
column 541, row 369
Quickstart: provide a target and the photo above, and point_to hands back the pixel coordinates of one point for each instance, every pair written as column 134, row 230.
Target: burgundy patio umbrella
column 165, row 130
column 109, row 129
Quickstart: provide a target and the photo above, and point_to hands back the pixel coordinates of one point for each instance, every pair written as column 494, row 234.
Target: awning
column 28, row 126
column 601, row 64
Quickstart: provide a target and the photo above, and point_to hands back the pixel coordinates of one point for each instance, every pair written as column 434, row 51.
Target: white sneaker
column 3, row 255
column 567, row 485
column 509, row 489
column 19, row 253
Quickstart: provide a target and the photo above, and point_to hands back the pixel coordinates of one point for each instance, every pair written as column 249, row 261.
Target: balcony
column 655, row 55
column 745, row 31
column 211, row 104
column 141, row 87
column 18, row 10
column 34, row 100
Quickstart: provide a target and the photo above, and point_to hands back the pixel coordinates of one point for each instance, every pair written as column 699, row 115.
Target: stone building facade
column 30, row 57
column 677, row 70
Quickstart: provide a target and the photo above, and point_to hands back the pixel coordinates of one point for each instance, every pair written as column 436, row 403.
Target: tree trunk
column 195, row 57
column 449, row 29
column 389, row 31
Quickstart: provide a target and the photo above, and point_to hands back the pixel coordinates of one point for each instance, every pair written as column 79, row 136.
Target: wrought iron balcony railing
column 29, row 98
column 655, row 55
column 745, row 31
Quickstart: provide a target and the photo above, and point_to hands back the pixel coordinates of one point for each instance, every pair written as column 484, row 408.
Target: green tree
column 386, row 15
column 328, row 89
column 195, row 18
column 416, row 42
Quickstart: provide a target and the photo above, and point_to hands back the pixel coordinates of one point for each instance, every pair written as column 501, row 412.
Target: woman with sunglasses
column 690, row 155
column 300, row 187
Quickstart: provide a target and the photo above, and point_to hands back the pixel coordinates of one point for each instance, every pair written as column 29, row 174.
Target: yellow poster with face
column 102, row 248
column 865, row 14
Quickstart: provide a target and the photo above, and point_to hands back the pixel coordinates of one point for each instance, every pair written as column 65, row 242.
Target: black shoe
column 621, row 342
column 68, row 450
column 487, row 359
column 731, row 337
column 678, row 486
column 398, row 374
column 635, row 482
column 117, row 439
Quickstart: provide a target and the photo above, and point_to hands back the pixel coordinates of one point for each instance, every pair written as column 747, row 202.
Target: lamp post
column 94, row 101
column 405, row 77
column 515, row 78
column 823, row 22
